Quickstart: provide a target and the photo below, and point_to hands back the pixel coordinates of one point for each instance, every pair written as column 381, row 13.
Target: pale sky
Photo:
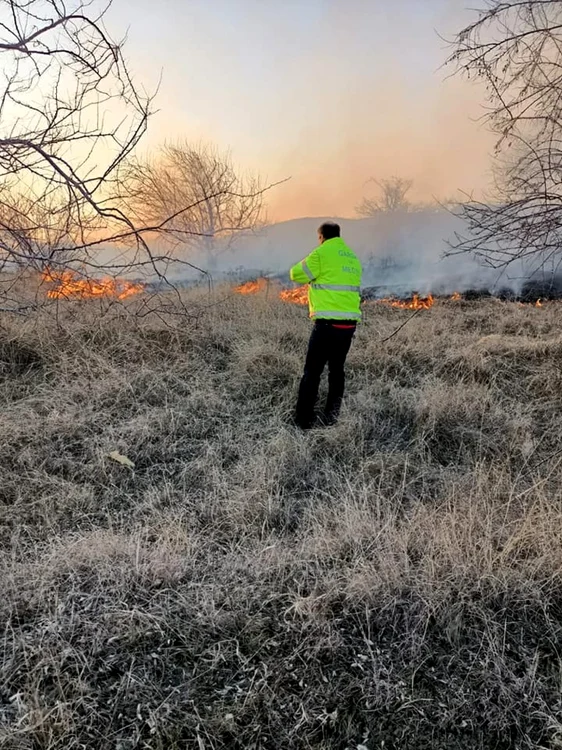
column 327, row 92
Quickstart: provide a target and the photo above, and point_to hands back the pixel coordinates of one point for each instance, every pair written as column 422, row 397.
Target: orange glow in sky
column 327, row 93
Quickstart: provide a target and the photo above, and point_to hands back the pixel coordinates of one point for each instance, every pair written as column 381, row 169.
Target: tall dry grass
column 390, row 582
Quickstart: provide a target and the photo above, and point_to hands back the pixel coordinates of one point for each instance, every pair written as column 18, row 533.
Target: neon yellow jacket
column 333, row 273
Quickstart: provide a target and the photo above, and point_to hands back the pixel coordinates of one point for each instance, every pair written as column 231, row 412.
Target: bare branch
column 515, row 49
column 76, row 206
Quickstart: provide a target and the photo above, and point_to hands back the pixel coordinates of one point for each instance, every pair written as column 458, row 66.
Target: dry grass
column 391, row 582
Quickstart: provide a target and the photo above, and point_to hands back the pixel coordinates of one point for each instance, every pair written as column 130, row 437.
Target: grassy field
column 392, row 582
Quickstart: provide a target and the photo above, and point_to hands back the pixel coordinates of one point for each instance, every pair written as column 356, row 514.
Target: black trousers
column 329, row 344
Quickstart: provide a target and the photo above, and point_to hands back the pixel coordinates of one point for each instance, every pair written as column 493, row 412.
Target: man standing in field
column 333, row 273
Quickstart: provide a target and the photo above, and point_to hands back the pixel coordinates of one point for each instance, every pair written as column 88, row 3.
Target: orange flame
column 538, row 303
column 456, row 296
column 416, row 303
column 69, row 285
column 299, row 296
column 251, row 287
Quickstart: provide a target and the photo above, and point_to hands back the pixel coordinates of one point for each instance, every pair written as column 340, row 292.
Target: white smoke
column 401, row 253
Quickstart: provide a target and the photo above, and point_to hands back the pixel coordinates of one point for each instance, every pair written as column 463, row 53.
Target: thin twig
column 544, row 460
column 402, row 326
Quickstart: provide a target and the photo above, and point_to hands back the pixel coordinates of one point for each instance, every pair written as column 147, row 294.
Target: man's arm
column 306, row 270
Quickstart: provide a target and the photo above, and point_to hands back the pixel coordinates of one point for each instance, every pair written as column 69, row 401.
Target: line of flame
column 298, row 296
column 416, row 303
column 251, row 287
column 69, row 285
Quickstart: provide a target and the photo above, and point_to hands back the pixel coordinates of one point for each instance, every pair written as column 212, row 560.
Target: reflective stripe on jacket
column 333, row 272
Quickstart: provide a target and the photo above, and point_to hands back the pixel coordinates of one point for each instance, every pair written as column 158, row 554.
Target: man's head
column 328, row 230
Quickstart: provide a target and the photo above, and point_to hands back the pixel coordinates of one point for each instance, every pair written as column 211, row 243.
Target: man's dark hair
column 329, row 230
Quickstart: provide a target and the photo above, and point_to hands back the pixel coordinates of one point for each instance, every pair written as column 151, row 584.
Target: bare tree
column 515, row 48
column 392, row 197
column 225, row 205
column 69, row 113
column 70, row 120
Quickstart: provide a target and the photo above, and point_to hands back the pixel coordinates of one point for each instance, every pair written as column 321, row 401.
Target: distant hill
column 401, row 251
column 398, row 235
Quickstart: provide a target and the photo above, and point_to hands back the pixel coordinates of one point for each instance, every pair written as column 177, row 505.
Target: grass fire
column 70, row 285
column 299, row 295
column 414, row 303
column 281, row 415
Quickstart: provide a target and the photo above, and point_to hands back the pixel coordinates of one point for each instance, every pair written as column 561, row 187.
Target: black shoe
column 302, row 424
column 328, row 420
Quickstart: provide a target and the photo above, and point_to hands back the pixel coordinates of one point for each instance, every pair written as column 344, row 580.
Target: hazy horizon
column 327, row 96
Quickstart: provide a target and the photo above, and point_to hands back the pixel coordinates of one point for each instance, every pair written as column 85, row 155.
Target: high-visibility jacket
column 333, row 273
